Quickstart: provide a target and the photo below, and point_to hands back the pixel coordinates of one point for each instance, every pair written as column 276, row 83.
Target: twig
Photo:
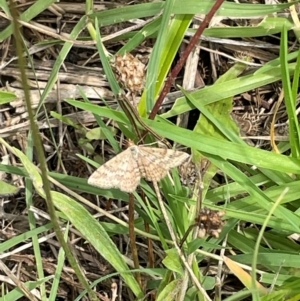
column 132, row 237
column 17, row 282
column 184, row 57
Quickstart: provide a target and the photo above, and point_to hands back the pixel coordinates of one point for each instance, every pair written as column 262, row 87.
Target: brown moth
column 125, row 170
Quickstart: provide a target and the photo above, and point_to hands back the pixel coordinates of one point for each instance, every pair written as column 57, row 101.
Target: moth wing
column 120, row 172
column 154, row 163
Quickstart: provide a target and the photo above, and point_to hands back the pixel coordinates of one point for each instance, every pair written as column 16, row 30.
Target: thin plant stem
column 41, row 155
column 173, row 236
column 132, row 237
column 17, row 282
column 195, row 227
column 127, row 108
column 184, row 57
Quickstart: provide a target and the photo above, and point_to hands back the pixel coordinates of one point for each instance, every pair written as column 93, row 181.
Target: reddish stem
column 184, row 57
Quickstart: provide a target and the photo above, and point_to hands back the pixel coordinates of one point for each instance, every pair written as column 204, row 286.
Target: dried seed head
column 210, row 222
column 130, row 71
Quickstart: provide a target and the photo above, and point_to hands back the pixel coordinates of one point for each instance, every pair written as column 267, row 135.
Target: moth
column 125, row 170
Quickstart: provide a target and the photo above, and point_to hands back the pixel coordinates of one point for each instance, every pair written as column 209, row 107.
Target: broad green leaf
column 6, row 97
column 96, row 235
column 7, row 189
column 98, row 134
column 32, row 171
column 170, row 291
column 172, row 261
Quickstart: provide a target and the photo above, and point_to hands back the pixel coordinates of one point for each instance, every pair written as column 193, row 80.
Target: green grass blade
column 230, row 88
column 290, row 101
column 61, row 58
column 6, row 97
column 153, row 67
column 138, row 37
column 207, row 144
column 105, row 63
column 296, row 78
column 269, row 26
column 190, row 7
column 33, row 10
column 162, row 61
column 97, row 236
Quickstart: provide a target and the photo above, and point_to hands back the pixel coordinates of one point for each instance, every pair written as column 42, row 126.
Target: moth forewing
column 126, row 169
column 154, row 163
column 120, row 172
column 177, row 159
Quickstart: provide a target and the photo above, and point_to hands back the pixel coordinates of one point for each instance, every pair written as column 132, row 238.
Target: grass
column 256, row 254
